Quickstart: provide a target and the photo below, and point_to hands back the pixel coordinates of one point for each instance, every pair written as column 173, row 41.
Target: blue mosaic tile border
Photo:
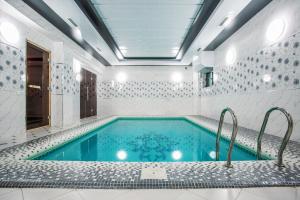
column 16, row 171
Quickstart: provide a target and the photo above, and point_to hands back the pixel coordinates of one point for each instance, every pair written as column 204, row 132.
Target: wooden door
column 83, row 94
column 37, row 88
column 88, row 95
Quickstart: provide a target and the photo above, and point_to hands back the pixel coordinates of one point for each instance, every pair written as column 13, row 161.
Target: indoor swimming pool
column 146, row 140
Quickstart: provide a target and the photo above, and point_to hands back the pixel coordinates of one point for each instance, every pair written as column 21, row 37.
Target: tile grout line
column 22, row 193
column 237, row 197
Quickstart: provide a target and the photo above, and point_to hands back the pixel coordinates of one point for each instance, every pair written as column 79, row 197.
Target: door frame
column 49, row 83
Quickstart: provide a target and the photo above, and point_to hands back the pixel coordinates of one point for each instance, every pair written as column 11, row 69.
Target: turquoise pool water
column 146, row 140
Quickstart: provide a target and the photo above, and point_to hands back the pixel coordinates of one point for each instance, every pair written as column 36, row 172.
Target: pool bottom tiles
column 146, row 140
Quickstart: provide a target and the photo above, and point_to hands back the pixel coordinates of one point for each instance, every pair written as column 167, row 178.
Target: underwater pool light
column 176, row 155
column 121, row 155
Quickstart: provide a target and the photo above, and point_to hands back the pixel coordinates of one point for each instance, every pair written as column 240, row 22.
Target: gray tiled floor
column 272, row 193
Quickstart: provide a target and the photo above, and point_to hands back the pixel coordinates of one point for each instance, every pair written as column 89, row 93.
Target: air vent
column 72, row 22
column 228, row 20
column 223, row 22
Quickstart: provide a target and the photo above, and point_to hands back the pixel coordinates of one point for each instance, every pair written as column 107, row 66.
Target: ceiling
column 146, row 32
column 144, row 28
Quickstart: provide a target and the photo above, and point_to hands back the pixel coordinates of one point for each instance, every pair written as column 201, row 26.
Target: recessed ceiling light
column 119, row 55
column 175, row 50
column 77, row 33
column 124, row 51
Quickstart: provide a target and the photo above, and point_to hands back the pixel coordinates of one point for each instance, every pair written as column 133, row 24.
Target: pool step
column 152, row 172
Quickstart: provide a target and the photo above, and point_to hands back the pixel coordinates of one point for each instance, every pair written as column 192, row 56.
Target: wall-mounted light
column 267, row 78
column 215, row 77
column 276, row 30
column 9, row 32
column 121, row 155
column 76, row 66
column 112, row 83
column 78, row 77
column 176, row 155
column 121, row 77
column 176, row 77
column 231, row 56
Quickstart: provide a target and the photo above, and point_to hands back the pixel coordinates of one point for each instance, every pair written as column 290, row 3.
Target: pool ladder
column 286, row 136
column 233, row 136
column 259, row 139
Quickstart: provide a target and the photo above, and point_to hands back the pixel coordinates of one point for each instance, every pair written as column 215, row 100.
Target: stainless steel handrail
column 233, row 136
column 286, row 136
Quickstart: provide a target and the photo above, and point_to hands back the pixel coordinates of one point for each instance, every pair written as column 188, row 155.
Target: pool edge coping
column 154, row 183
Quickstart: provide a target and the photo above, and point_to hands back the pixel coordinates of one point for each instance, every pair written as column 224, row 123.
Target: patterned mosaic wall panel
column 63, row 80
column 12, row 69
column 12, row 91
column 145, row 89
column 281, row 62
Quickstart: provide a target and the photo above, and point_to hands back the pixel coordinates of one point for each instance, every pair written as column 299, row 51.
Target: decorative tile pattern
column 63, row 79
column 152, row 142
column 17, row 172
column 143, row 89
column 12, row 69
column 280, row 61
column 12, row 91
